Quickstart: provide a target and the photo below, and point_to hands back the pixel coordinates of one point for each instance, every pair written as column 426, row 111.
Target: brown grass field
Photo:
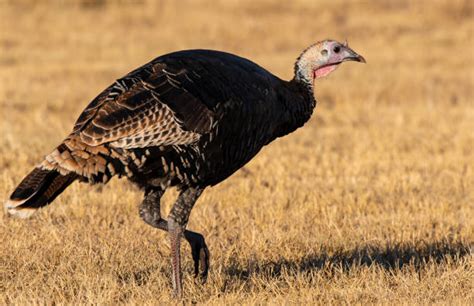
column 371, row 202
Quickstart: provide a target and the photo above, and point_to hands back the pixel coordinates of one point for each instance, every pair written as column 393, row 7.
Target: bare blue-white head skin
column 322, row 58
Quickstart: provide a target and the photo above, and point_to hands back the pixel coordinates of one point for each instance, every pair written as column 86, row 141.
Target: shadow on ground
column 389, row 257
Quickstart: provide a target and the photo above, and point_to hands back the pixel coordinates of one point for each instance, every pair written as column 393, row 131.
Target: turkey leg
column 150, row 213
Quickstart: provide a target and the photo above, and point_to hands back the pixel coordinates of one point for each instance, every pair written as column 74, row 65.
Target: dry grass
column 372, row 201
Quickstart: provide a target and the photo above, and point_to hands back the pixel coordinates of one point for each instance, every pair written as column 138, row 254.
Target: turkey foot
column 200, row 253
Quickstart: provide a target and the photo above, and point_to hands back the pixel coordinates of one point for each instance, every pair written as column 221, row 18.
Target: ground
column 372, row 201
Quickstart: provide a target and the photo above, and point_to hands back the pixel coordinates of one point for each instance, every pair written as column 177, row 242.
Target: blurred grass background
column 372, row 201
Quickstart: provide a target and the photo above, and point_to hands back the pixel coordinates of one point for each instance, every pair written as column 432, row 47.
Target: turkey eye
column 337, row 49
column 324, row 52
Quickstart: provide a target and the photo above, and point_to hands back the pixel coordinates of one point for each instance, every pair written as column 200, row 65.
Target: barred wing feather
column 148, row 107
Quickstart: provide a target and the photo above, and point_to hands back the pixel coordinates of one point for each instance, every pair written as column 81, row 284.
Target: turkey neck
column 298, row 101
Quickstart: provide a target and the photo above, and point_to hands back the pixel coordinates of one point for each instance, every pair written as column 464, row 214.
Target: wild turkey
column 187, row 119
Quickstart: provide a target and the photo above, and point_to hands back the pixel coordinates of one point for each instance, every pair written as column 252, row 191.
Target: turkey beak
column 351, row 55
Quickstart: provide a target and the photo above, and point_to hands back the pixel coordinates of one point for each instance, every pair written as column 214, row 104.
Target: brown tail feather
column 39, row 188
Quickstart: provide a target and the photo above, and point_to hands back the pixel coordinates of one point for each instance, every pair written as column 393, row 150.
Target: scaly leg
column 150, row 213
column 177, row 220
column 149, row 209
column 175, row 231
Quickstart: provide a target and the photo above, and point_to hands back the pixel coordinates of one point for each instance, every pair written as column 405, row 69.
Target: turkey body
column 188, row 119
column 222, row 110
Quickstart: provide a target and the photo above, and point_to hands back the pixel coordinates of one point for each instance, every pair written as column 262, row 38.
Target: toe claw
column 204, row 261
